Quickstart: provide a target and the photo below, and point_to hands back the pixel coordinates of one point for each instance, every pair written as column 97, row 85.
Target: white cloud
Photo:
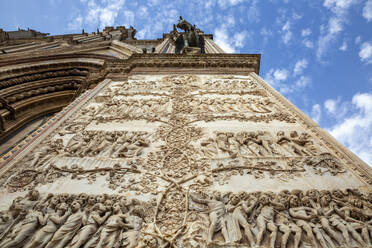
column 367, row 11
column 358, row 39
column 280, row 75
column 316, row 113
column 102, row 14
column 253, row 13
column 286, row 32
column 266, row 33
column 76, row 23
column 298, row 85
column 355, row 131
column 230, row 20
column 334, row 27
column 296, row 16
column 275, row 76
column 143, row 12
column 278, row 78
column 221, row 38
column 128, row 18
column 208, row 4
column 305, row 32
column 227, row 3
column 301, row 83
column 339, row 6
column 331, row 105
column 300, row 66
column 308, row 43
column 239, row 39
column 343, row 47
column 365, row 52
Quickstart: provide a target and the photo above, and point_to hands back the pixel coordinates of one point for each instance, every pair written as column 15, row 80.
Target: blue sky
column 316, row 53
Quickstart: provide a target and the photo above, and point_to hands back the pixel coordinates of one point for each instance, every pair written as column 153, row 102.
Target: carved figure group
column 72, row 221
column 107, row 144
column 258, row 144
column 133, row 107
column 315, row 218
column 224, row 105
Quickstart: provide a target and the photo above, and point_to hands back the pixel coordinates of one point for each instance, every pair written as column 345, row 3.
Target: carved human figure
column 222, row 143
column 260, row 107
column 91, row 223
column 265, row 219
column 323, row 212
column 92, row 140
column 209, row 148
column 105, row 144
column 359, row 217
column 287, row 227
column 240, row 212
column 244, row 149
column 5, row 220
column 264, row 139
column 309, row 147
column 24, row 230
column 46, row 153
column 234, row 145
column 217, row 211
column 254, row 145
column 344, row 227
column 68, row 230
column 113, row 227
column 139, row 142
column 302, row 216
column 130, row 237
column 75, row 143
column 298, row 144
column 286, row 143
column 44, row 235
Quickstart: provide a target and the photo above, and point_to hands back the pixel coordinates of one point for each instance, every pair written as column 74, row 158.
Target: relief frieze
column 187, row 218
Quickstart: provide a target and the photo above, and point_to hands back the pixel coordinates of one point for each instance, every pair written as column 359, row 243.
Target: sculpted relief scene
column 184, row 161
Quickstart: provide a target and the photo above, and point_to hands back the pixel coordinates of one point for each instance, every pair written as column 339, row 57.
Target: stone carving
column 73, row 221
column 53, row 221
column 289, row 219
column 181, row 151
column 175, row 170
column 257, row 144
column 107, row 144
column 277, row 217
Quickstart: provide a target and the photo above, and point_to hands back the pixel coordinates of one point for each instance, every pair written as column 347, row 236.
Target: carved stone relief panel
column 186, row 147
column 189, row 218
column 179, row 126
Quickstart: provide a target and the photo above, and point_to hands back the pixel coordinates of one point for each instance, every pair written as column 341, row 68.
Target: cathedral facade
column 110, row 141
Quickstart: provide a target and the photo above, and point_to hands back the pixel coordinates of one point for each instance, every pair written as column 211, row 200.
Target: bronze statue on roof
column 188, row 41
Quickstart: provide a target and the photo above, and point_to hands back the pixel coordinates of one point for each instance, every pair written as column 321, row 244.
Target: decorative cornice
column 246, row 61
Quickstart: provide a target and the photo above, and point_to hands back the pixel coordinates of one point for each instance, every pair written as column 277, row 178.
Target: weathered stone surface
column 185, row 160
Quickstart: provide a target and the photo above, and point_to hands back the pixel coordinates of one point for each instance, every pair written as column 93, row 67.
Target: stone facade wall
column 185, row 160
